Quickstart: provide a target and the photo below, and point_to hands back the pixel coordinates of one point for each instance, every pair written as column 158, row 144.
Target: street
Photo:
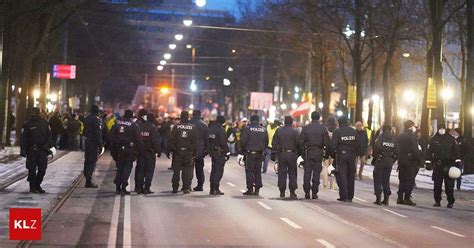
column 101, row 218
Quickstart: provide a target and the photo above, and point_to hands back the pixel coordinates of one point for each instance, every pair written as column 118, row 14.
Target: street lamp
column 189, row 46
column 226, row 82
column 375, row 98
column 409, row 95
column 406, row 55
column 200, row 3
column 160, row 68
column 321, row 105
column 178, row 37
column 187, row 22
column 172, row 46
column 234, row 51
column 36, row 93
column 446, row 93
column 402, row 113
column 163, row 62
column 339, row 113
column 167, row 56
column 294, row 105
column 283, row 106
column 53, row 97
column 193, row 86
column 230, row 68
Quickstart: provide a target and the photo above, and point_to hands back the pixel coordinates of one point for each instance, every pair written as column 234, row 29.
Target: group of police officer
column 136, row 139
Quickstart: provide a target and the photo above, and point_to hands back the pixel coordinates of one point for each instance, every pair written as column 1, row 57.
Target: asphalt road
column 98, row 217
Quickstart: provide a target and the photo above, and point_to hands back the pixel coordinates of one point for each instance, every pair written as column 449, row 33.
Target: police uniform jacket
column 183, row 139
column 409, row 150
column 217, row 141
column 442, row 149
column 93, row 129
column 385, row 148
column 202, row 133
column 36, row 135
column 254, row 138
column 344, row 141
column 286, row 139
column 150, row 137
column 314, row 139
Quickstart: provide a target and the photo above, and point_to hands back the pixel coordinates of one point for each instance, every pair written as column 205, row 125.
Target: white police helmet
column 454, row 172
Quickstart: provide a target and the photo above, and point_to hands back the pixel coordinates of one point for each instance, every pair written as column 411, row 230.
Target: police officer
column 385, row 154
column 286, row 143
column 219, row 152
column 93, row 143
column 126, row 142
column 441, row 154
column 253, row 142
column 142, row 116
column 183, row 145
column 201, row 149
column 315, row 139
column 409, row 160
column 146, row 161
column 343, row 150
column 36, row 140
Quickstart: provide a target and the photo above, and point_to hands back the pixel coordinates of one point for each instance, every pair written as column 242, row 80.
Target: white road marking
column 290, row 223
column 447, row 231
column 243, row 190
column 231, row 184
column 395, row 213
column 362, row 200
column 127, row 227
column 325, row 243
column 265, row 206
column 114, row 223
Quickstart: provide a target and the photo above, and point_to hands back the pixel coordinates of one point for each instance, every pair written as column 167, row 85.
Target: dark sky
column 230, row 5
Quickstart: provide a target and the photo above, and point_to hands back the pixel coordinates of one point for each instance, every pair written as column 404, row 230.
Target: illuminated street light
column 19, row 90
column 53, row 97
column 160, row 68
column 200, row 3
column 234, row 51
column 406, row 55
column 172, row 46
column 283, row 106
column 207, row 78
column 189, row 46
column 230, row 68
column 296, row 96
column 333, row 85
column 36, row 93
column 13, row 87
column 179, row 37
column 294, row 105
column 193, row 86
column 164, row 90
column 167, row 56
column 375, row 98
column 446, row 93
column 163, row 62
column 297, row 89
column 402, row 113
column 409, row 95
column 320, row 105
column 339, row 113
column 187, row 22
column 191, row 106
column 226, row 82
column 348, row 31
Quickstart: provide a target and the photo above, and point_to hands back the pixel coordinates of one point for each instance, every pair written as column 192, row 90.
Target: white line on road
column 231, row 184
column 114, row 222
column 325, row 243
column 447, row 231
column 290, row 223
column 127, row 227
column 265, row 206
column 362, row 200
column 395, row 213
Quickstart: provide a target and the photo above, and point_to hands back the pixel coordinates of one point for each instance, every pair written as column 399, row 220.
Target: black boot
column 377, row 199
column 385, row 199
column 307, row 196
column 257, row 191
column 249, row 191
column 124, row 191
column 282, row 193
column 139, row 190
column 147, row 191
column 400, row 199
column 450, row 205
column 39, row 189
column 315, row 196
column 175, row 191
column 408, row 200
column 293, row 194
column 117, row 189
column 198, row 188
column 33, row 188
column 90, row 184
column 437, row 204
column 212, row 190
column 217, row 191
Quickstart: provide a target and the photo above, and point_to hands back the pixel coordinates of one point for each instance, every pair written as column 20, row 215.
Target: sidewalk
column 61, row 174
column 12, row 165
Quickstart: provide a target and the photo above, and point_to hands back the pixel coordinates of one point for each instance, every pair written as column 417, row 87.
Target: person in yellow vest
column 271, row 129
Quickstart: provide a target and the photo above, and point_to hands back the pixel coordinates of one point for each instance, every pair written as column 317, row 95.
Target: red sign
column 64, row 71
column 25, row 223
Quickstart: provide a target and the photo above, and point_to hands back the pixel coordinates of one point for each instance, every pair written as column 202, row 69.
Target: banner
column 302, row 109
column 431, row 98
column 260, row 100
column 351, row 96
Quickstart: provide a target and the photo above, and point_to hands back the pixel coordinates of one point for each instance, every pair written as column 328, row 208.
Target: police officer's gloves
column 300, row 161
column 457, row 163
column 240, row 159
column 227, row 156
column 23, row 153
column 428, row 165
column 52, row 152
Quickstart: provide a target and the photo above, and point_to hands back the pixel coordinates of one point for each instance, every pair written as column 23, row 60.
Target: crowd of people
column 334, row 149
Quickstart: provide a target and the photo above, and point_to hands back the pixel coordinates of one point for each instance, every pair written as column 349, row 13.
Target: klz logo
column 25, row 224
